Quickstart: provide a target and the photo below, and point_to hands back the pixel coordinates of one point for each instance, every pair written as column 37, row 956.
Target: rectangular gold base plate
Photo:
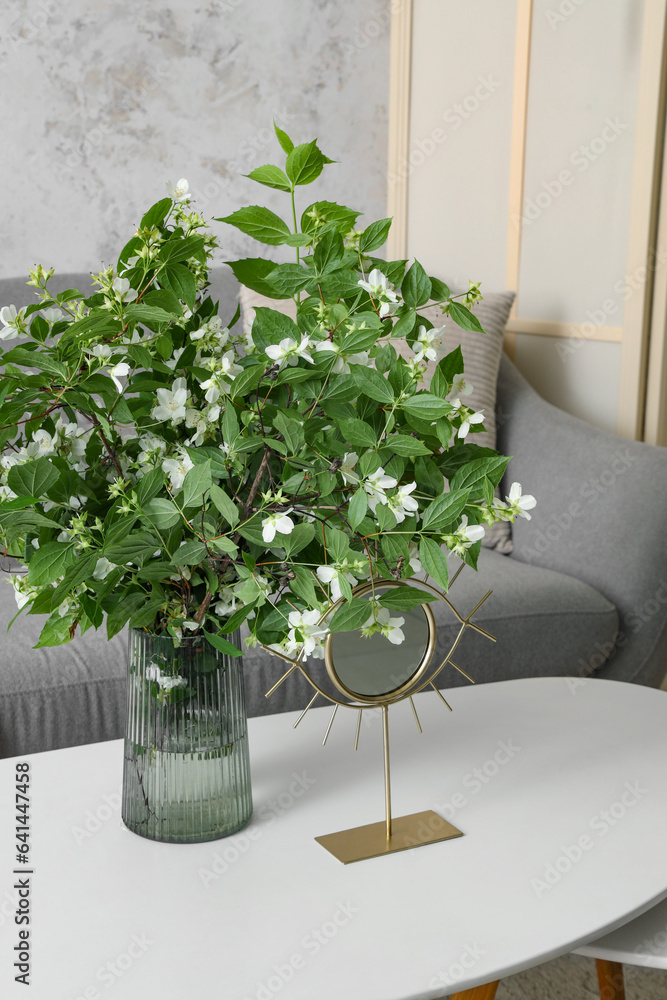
column 371, row 841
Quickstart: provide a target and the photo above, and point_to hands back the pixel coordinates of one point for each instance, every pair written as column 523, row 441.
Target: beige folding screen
column 489, row 104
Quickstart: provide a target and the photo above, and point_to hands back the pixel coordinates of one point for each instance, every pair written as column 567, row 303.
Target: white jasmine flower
column 191, row 626
column 171, row 402
column 465, row 536
column 227, row 604
column 520, row 505
column 381, row 621
column 173, row 361
column 102, row 568
column 306, row 631
column 459, row 388
column 332, row 574
column 473, row 418
column 375, row 485
column 180, row 191
column 117, row 372
column 121, row 287
column 401, row 504
column 177, row 469
column 430, row 344
column 169, row 683
column 346, row 470
column 195, row 419
column 42, row 445
column 289, row 352
column 101, row 351
column 152, row 450
column 276, row 522
column 53, row 315
column 415, row 563
column 13, row 322
column 380, row 289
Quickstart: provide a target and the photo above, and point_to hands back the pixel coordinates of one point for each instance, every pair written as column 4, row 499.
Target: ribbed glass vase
column 186, row 776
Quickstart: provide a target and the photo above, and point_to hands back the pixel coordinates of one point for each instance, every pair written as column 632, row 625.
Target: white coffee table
column 559, row 791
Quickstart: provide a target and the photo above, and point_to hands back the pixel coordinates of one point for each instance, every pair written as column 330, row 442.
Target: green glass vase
column 186, row 775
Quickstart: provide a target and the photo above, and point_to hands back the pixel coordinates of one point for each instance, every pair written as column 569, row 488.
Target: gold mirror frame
column 417, row 829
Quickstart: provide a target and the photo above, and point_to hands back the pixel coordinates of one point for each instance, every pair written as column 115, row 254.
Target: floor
column 573, row 978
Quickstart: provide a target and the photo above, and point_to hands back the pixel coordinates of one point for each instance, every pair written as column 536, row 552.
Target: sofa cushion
column 57, row 696
column 546, row 624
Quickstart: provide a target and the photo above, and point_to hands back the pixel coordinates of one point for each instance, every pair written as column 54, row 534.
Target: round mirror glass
column 374, row 666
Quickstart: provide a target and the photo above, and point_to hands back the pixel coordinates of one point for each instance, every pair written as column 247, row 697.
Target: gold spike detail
column 414, row 712
column 439, row 694
column 356, row 739
column 313, row 699
column 333, row 716
column 279, row 682
column 462, row 671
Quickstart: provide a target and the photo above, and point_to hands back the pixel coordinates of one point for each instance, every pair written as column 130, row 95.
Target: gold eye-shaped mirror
column 374, row 669
column 382, row 669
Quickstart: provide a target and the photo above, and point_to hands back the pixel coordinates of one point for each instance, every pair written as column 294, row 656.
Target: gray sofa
column 583, row 593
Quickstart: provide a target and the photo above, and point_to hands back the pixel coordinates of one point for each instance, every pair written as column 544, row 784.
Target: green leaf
column 246, row 381
column 357, row 507
column 434, row 561
column 342, row 218
column 150, row 316
column 223, row 645
column 451, row 364
column 395, row 547
column 341, row 389
column 283, row 139
column 180, row 280
column 123, row 611
column 439, row 290
column 93, row 610
column 49, row 562
column 56, row 631
column 337, row 543
column 351, row 616
column 471, row 476
column 372, row 384
column 291, row 430
column 427, row 406
column 196, row 482
column 358, row 433
column 288, row 279
column 272, row 176
column 464, row 318
column 301, row 536
column 32, row 479
column 149, row 486
column 191, row 553
column 36, row 359
column 252, row 272
column 225, row 505
column 162, row 513
column 137, row 546
column 328, row 253
column 236, row 619
column 405, row 598
column 303, row 585
column 405, row 324
column 156, row 215
column 145, row 615
column 96, row 324
column 403, row 444
column 374, row 235
column 416, row 287
column 182, row 248
column 305, row 163
column 445, row 509
column 260, row 223
column 158, row 569
column 271, row 326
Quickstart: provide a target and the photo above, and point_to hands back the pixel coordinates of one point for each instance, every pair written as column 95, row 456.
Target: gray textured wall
column 103, row 101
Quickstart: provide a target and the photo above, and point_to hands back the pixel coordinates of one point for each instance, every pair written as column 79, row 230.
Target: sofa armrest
column 600, row 517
